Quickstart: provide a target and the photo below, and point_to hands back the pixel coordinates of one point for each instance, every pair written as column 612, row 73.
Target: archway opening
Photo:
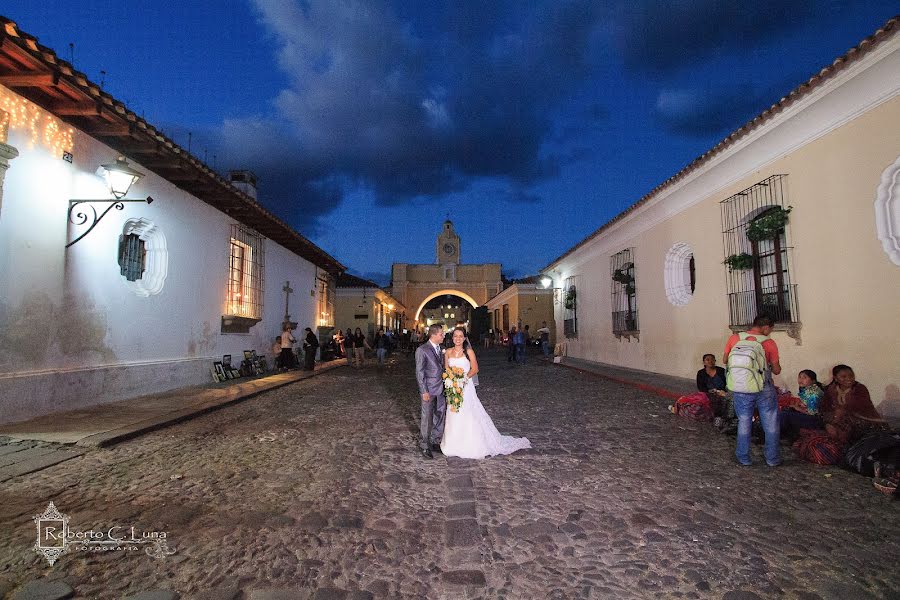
column 445, row 306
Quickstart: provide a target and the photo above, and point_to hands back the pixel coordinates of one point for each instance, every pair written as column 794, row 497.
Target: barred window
column 132, row 257
column 570, row 308
column 624, row 292
column 757, row 254
column 245, row 274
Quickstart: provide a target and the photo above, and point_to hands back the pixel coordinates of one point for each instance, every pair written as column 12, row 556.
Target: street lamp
column 119, row 179
column 546, row 281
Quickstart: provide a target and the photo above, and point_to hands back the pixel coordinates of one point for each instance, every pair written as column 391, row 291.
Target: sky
column 530, row 123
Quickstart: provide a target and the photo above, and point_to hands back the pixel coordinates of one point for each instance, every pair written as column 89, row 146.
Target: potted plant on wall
column 625, row 278
column 739, row 262
column 768, row 225
column 570, row 299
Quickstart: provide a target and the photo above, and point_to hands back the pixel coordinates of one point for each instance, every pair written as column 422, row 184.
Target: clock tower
column 448, row 245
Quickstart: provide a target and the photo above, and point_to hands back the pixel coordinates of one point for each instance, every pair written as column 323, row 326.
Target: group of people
column 517, row 341
column 283, row 349
column 842, row 410
column 352, row 345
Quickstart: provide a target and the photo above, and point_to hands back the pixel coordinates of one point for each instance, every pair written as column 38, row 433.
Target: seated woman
column 804, row 412
column 847, row 409
column 711, row 381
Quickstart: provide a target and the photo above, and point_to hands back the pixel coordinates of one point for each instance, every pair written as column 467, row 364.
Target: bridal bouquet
column 454, row 382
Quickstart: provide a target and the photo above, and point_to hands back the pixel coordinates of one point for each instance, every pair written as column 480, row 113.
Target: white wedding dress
column 470, row 433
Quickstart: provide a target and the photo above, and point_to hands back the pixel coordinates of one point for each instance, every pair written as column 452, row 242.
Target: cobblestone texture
column 316, row 490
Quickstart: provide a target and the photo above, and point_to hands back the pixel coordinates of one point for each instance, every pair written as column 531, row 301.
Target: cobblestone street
column 316, row 490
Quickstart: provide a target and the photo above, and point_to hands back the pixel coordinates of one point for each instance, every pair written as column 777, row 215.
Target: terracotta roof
column 37, row 73
column 346, row 280
column 885, row 32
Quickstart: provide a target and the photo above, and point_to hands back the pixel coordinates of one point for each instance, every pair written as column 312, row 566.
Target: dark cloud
column 661, row 35
column 410, row 103
column 708, row 111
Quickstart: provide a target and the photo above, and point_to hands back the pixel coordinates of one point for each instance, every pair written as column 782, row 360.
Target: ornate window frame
column 887, row 211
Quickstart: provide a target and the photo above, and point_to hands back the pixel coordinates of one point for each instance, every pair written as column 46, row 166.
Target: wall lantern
column 119, row 178
column 546, row 281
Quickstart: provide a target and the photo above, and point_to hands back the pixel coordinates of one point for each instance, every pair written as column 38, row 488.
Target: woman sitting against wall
column 847, row 408
column 803, row 413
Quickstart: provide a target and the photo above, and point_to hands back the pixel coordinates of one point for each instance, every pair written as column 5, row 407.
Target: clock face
column 449, row 248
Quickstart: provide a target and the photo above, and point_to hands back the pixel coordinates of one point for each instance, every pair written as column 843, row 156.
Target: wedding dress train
column 470, row 433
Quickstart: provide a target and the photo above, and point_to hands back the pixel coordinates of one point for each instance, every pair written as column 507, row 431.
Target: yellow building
column 802, row 202
column 361, row 303
column 414, row 285
column 527, row 302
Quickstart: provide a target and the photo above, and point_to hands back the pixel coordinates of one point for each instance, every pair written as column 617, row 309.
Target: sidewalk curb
column 641, row 386
column 115, row 436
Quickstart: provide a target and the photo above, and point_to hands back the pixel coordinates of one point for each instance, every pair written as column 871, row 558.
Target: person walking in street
column 522, row 339
column 382, row 342
column 287, row 347
column 348, row 346
column 359, row 348
column 751, row 359
column 310, row 346
column 544, row 332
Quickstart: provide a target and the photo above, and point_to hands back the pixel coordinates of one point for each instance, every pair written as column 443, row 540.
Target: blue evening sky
column 367, row 121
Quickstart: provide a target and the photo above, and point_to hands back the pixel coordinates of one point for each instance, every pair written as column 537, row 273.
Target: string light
column 42, row 128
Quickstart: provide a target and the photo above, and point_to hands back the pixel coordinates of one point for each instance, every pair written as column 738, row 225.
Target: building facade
column 414, row 285
column 362, row 303
column 796, row 214
column 104, row 298
column 527, row 302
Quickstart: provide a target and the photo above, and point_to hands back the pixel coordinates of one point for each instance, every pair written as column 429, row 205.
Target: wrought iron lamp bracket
column 80, row 217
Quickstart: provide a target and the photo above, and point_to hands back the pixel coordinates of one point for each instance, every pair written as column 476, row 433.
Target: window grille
column 245, row 274
column 623, row 289
column 325, row 302
column 764, row 286
column 570, row 308
column 132, row 257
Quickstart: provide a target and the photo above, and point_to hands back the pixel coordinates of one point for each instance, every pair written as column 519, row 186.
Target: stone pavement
column 315, row 490
column 113, row 422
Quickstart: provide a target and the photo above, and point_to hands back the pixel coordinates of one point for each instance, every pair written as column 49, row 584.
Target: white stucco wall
column 72, row 331
column 834, row 147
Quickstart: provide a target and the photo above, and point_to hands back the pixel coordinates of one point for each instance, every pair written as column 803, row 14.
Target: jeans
column 545, row 346
column 381, row 353
column 766, row 402
column 520, row 353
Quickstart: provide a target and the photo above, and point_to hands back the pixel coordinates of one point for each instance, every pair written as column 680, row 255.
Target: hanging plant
column 622, row 276
column 769, row 225
column 570, row 299
column 739, row 262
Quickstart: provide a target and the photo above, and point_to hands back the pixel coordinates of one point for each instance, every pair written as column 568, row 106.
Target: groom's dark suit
column 429, row 367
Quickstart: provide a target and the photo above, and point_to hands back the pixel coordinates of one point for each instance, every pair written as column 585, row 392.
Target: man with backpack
column 751, row 358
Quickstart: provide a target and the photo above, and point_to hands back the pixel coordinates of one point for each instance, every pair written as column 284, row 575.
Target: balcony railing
column 781, row 304
column 625, row 321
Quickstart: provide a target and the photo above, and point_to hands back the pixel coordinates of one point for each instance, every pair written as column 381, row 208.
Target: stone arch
column 445, row 292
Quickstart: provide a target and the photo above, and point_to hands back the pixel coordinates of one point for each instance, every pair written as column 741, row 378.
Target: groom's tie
column 437, row 353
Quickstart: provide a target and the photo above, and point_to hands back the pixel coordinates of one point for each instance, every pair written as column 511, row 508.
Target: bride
column 470, row 433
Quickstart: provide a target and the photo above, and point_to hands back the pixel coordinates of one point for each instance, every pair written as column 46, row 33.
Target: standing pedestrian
column 359, row 347
column 544, row 332
column 511, row 346
column 522, row 338
column 287, row 347
column 751, row 359
column 310, row 345
column 382, row 341
column 348, row 346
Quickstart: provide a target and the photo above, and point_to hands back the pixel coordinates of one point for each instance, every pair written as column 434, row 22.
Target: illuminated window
column 245, row 274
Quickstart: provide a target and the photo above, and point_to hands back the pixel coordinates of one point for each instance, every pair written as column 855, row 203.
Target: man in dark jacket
column 310, row 346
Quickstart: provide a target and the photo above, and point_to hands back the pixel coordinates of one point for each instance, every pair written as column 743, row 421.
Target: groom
column 429, row 367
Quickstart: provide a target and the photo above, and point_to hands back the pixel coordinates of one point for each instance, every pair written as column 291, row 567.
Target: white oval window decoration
column 678, row 273
column 887, row 211
column 150, row 252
